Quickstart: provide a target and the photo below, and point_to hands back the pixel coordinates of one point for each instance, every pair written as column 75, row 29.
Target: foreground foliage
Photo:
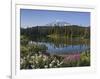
column 35, row 57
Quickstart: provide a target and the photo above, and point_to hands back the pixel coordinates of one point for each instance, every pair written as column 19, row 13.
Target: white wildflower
column 32, row 66
column 36, row 55
column 30, row 61
column 58, row 61
column 46, row 66
column 40, row 52
column 32, row 57
column 44, row 58
column 36, row 62
column 61, row 62
column 21, row 61
column 40, row 55
column 53, row 62
column 50, row 65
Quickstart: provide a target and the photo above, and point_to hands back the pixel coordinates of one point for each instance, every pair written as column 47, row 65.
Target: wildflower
column 61, row 63
column 50, row 65
column 53, row 61
column 32, row 66
column 21, row 61
column 40, row 55
column 40, row 52
column 58, row 61
column 45, row 58
column 36, row 62
column 32, row 57
column 36, row 55
column 30, row 61
column 46, row 66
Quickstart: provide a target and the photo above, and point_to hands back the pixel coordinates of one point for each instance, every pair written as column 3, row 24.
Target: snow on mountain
column 58, row 23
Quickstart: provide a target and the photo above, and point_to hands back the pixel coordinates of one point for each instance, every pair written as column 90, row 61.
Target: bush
column 41, row 61
column 85, row 59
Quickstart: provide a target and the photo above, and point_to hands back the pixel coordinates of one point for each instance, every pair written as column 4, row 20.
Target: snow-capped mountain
column 58, row 23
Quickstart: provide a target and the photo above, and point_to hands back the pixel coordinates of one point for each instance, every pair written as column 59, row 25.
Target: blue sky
column 31, row 17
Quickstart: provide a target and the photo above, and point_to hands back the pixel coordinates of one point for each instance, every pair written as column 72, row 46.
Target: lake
column 62, row 46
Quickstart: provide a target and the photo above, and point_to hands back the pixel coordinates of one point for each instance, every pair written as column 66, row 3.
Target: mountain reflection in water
column 60, row 46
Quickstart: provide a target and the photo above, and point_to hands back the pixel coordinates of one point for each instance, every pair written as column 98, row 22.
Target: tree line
column 67, row 31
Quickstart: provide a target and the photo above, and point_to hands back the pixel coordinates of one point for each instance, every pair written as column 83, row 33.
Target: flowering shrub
column 40, row 61
column 72, row 60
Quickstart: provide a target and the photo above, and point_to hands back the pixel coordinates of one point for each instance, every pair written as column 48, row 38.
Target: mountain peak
column 58, row 23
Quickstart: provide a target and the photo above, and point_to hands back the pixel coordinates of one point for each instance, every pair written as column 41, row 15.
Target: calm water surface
column 62, row 45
